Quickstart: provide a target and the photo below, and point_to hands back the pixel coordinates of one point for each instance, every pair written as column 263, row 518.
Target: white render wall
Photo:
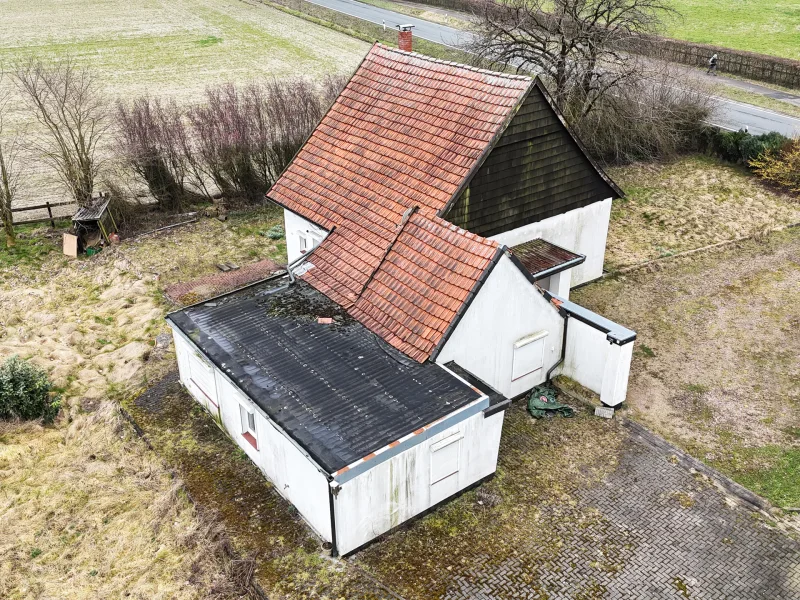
column 294, row 475
column 294, row 225
column 596, row 363
column 507, row 309
column 399, row 488
column 583, row 230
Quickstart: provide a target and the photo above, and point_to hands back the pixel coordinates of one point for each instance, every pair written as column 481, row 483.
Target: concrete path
column 661, row 533
column 730, row 114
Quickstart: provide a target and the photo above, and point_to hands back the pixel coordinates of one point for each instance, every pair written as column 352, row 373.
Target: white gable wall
column 297, row 227
column 583, row 230
column 507, row 311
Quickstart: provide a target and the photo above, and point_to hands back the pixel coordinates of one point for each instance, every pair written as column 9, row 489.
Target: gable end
column 536, row 170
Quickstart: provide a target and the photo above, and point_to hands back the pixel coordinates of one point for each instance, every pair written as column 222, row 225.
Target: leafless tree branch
column 9, row 171
column 67, row 101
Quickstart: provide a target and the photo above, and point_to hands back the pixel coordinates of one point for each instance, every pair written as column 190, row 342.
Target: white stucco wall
column 294, row 475
column 583, row 230
column 597, row 364
column 506, row 310
column 399, row 488
column 294, row 226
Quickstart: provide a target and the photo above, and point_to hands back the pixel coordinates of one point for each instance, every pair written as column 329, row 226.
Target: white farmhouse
column 436, row 220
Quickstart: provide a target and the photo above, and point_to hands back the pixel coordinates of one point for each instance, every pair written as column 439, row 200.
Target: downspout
column 331, row 495
column 565, row 315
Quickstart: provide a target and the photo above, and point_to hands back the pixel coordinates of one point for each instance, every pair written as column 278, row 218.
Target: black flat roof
column 336, row 389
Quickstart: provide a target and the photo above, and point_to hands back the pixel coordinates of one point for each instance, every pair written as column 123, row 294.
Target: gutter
column 559, row 268
column 615, row 333
column 333, row 491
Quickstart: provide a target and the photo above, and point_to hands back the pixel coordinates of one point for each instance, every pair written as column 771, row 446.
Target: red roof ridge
column 455, row 64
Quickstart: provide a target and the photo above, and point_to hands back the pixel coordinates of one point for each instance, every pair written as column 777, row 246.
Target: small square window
column 303, row 244
column 248, row 419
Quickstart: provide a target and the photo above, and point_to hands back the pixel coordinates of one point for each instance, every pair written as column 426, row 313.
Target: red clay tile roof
column 426, row 277
column 405, row 132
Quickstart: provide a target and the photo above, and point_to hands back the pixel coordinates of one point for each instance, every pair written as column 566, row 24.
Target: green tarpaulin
column 542, row 403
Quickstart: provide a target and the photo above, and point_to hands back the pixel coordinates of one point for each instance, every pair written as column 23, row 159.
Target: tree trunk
column 6, row 195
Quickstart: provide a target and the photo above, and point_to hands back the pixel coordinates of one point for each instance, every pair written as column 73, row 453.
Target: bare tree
column 9, row 173
column 577, row 46
column 244, row 137
column 152, row 140
column 655, row 115
column 66, row 100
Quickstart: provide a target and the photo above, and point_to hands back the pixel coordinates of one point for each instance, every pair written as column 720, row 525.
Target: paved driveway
column 675, row 535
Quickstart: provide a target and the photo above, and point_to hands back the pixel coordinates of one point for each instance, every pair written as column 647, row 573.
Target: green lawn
column 765, row 26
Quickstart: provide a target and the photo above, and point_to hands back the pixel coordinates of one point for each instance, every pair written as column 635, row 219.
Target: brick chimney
column 404, row 39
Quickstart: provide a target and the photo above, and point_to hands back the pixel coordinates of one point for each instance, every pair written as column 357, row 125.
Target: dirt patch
column 716, row 362
column 688, row 203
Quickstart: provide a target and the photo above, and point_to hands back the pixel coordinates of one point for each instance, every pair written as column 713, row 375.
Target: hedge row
column 760, row 67
column 739, row 146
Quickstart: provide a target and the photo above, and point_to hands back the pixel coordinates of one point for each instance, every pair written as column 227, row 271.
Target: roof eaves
column 538, row 83
column 467, row 302
column 294, row 212
column 486, row 151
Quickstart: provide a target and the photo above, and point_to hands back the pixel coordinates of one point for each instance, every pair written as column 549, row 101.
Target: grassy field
column 85, row 504
column 715, row 363
column 687, row 204
column 765, row 26
column 169, row 48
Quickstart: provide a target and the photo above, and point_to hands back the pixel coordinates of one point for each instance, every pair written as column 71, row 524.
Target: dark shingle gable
column 537, row 169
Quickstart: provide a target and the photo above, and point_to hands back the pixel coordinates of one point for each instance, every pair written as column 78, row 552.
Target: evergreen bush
column 25, row 392
column 740, row 146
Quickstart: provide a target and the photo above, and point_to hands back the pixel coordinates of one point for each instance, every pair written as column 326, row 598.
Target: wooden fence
column 48, row 206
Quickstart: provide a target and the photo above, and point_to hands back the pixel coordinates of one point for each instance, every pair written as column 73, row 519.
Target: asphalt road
column 729, row 115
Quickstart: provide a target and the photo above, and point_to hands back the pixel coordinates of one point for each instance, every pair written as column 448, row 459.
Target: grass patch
column 755, row 99
column 771, row 471
column 765, row 26
column 35, row 243
column 688, row 203
column 209, row 41
column 646, row 350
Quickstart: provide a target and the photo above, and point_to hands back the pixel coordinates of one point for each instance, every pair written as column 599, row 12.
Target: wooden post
column 50, row 212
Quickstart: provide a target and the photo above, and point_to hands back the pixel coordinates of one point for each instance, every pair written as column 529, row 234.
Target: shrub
column 25, row 392
column 780, row 167
column 276, row 232
column 648, row 118
column 739, row 146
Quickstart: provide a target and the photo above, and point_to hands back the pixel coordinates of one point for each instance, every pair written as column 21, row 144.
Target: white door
column 444, row 467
